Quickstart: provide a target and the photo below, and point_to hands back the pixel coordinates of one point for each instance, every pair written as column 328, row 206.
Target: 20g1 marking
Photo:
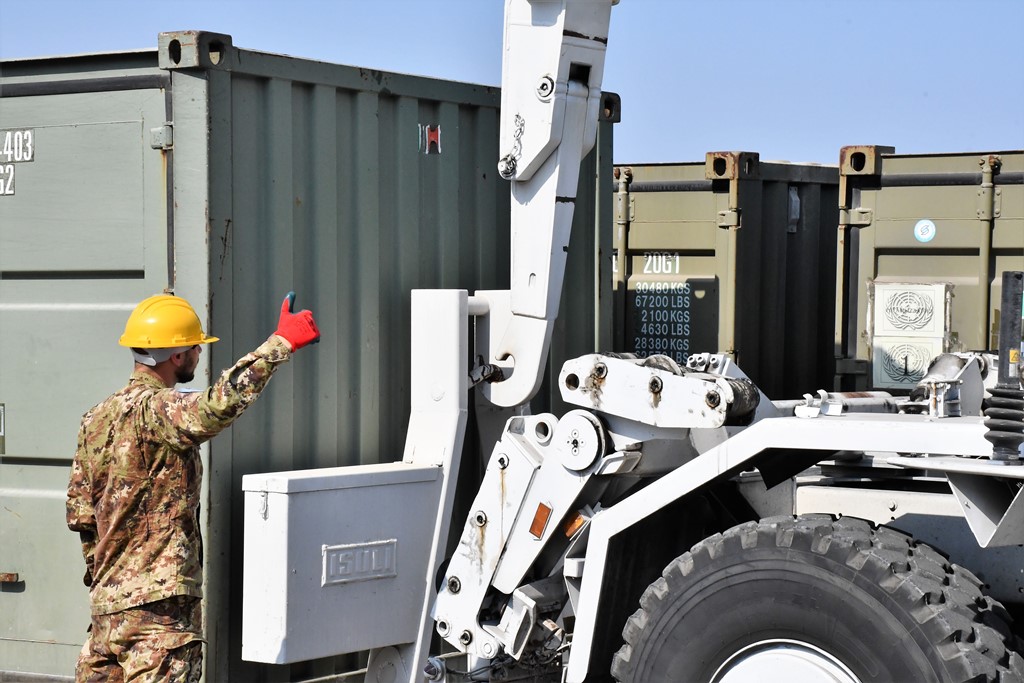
column 18, row 146
column 658, row 263
column 6, row 179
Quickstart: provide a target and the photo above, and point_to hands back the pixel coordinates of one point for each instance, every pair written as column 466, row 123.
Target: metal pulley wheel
column 579, row 440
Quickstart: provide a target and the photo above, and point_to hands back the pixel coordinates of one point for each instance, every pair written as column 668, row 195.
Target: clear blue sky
column 790, row 79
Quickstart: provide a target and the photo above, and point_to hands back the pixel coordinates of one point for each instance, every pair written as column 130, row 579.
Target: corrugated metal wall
column 323, row 183
column 350, row 187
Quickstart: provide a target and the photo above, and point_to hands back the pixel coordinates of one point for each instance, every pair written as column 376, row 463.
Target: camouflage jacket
column 135, row 480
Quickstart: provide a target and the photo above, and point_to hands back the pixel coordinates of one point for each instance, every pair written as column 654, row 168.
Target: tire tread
column 970, row 632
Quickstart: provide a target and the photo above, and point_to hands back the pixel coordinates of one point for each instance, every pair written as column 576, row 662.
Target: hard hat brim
column 148, row 344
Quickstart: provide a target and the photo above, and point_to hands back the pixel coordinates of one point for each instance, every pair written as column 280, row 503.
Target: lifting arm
column 551, row 90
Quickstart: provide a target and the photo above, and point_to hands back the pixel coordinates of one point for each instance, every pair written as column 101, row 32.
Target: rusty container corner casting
column 230, row 177
column 924, row 240
column 732, row 255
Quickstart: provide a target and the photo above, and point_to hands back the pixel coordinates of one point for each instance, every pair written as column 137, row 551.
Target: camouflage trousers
column 159, row 641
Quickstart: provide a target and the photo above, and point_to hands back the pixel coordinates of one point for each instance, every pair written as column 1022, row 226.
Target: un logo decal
column 909, row 310
column 905, row 363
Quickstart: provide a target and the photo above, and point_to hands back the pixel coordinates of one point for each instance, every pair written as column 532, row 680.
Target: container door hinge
column 990, row 202
column 161, row 137
column 856, row 217
column 730, row 218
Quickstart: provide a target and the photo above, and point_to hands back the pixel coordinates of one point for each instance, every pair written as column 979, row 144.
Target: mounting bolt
column 573, row 442
column 713, row 399
column 502, row 461
column 507, row 167
column 454, row 585
column 479, row 518
column 434, row 669
column 600, row 370
column 545, row 87
column 466, row 638
column 488, row 650
column 655, row 385
column 443, row 628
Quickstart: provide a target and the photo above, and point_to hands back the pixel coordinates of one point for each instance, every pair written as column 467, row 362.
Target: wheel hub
column 783, row 660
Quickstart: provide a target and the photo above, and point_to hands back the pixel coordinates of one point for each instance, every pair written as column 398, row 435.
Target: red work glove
column 298, row 329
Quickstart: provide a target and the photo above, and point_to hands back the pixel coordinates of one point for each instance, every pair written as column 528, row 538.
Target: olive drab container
column 924, row 240
column 230, row 177
column 732, row 254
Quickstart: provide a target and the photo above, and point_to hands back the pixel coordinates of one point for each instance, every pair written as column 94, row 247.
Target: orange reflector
column 540, row 520
column 574, row 525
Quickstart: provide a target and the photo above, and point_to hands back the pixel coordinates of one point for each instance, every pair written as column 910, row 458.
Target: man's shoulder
column 116, row 404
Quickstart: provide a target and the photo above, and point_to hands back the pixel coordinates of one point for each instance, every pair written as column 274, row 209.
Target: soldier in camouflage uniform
column 133, row 496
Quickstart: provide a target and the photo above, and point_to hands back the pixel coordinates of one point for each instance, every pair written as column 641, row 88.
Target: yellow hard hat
column 162, row 322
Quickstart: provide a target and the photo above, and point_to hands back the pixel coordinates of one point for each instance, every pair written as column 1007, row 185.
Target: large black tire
column 886, row 607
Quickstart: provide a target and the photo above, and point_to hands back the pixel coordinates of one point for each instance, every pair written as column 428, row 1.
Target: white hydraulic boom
column 551, row 90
